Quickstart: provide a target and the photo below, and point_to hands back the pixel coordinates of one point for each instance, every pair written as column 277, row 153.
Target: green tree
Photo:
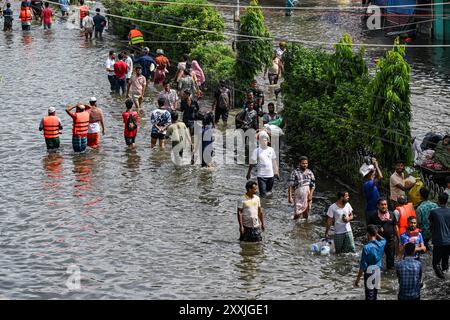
column 217, row 61
column 390, row 108
column 253, row 54
column 180, row 15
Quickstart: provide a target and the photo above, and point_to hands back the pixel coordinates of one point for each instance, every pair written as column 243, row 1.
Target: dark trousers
column 371, row 294
column 389, row 250
column 121, row 83
column 265, row 185
column 112, row 82
column 408, row 298
column 440, row 256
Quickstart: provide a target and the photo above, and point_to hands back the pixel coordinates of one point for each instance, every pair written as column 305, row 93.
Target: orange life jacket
column 51, row 127
column 135, row 37
column 405, row 211
column 25, row 14
column 81, row 123
column 83, row 10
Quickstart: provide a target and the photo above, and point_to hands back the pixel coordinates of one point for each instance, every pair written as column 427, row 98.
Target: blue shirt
column 145, row 61
column 417, row 240
column 161, row 118
column 371, row 195
column 8, row 15
column 372, row 254
column 409, row 273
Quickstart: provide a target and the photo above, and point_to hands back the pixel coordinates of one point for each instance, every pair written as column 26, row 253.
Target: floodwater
column 134, row 225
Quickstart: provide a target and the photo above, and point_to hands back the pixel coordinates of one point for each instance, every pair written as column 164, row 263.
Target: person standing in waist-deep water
column 130, row 120
column 96, row 122
column 99, row 24
column 250, row 214
column 47, row 15
column 371, row 262
column 160, row 120
column 80, row 127
column 342, row 213
column 51, row 125
column 8, row 18
column 301, row 189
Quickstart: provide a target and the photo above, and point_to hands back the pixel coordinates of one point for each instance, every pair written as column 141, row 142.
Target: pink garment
column 46, row 15
column 195, row 67
column 383, row 216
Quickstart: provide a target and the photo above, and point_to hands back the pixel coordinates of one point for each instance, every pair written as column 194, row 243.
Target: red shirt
column 120, row 69
column 126, row 115
column 47, row 14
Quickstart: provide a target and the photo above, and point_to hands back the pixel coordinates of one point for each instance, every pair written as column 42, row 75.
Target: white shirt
column 249, row 208
column 129, row 63
column 109, row 64
column 88, row 22
column 336, row 213
column 263, row 158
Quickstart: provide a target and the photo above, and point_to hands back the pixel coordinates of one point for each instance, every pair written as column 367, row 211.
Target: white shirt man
column 265, row 159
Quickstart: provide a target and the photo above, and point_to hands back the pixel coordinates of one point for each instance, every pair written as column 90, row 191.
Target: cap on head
column 81, row 107
column 146, row 50
column 51, row 109
column 93, row 99
column 160, row 51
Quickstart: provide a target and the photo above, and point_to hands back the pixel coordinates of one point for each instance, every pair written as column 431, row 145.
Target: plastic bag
column 414, row 193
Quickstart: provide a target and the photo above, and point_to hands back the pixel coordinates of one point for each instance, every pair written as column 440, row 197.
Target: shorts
column 158, row 135
column 52, row 143
column 130, row 140
column 93, row 140
column 251, row 235
column 79, row 143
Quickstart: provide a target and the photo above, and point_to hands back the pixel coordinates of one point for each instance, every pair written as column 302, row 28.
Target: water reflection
column 8, row 38
column 252, row 255
column 52, row 164
column 27, row 38
column 83, row 165
column 133, row 159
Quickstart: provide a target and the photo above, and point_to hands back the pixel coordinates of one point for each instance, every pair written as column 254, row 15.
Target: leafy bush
column 217, row 62
column 197, row 17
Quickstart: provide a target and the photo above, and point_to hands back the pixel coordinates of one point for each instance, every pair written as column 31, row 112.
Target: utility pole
column 237, row 24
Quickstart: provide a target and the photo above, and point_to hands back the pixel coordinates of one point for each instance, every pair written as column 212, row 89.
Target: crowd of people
column 394, row 226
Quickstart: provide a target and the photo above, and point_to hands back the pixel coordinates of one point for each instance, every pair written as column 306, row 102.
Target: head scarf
column 195, row 67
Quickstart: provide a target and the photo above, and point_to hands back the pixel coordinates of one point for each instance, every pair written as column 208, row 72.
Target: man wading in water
column 250, row 215
column 96, row 119
column 301, row 189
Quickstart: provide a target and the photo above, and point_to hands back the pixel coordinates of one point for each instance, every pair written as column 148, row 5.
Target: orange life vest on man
column 406, row 211
column 80, row 124
column 83, row 10
column 51, row 127
column 135, row 37
column 25, row 14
